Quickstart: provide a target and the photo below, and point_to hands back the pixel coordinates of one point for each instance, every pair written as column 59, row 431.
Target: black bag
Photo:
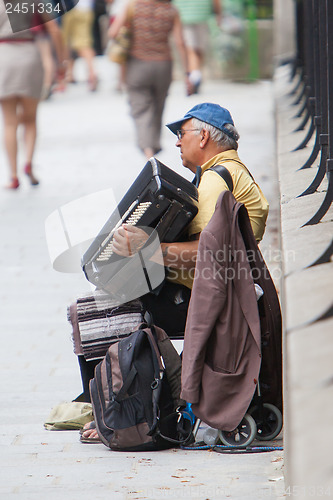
column 135, row 394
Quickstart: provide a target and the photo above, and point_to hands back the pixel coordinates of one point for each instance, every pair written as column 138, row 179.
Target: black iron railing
column 313, row 72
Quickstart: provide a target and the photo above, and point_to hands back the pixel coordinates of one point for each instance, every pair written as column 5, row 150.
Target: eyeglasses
column 181, row 133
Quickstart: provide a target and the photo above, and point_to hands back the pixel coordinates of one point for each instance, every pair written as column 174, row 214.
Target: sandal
column 87, row 427
column 91, row 426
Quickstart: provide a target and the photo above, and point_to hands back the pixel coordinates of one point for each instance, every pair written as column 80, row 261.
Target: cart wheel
column 242, row 436
column 269, row 421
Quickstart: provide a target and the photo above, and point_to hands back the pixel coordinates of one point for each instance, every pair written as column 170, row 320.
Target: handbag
column 120, row 46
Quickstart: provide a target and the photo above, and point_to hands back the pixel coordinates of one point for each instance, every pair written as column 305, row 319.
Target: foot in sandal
column 89, row 433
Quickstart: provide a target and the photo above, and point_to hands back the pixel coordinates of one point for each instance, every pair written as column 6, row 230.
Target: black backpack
column 135, row 394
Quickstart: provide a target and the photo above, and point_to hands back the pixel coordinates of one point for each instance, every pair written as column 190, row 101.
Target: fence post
column 253, row 41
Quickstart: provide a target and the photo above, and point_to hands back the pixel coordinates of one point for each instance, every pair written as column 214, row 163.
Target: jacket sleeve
column 207, row 301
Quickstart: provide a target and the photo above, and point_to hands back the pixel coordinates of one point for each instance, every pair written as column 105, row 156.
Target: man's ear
column 204, row 138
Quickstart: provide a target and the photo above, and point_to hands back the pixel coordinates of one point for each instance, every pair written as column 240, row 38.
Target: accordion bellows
column 98, row 322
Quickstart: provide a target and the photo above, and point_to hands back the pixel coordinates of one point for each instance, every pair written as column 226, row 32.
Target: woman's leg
column 88, row 54
column 163, row 77
column 147, row 87
column 197, row 40
column 141, row 103
column 28, row 118
column 84, row 44
column 10, row 121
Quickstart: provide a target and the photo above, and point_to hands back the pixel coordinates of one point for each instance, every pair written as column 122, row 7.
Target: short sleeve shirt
column 194, row 11
column 245, row 190
column 151, row 28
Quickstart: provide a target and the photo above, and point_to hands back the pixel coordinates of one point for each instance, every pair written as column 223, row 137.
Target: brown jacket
column 222, row 344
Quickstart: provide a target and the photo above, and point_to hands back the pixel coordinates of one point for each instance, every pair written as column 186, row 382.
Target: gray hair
column 222, row 139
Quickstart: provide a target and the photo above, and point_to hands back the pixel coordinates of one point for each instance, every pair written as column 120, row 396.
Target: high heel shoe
column 28, row 172
column 14, row 183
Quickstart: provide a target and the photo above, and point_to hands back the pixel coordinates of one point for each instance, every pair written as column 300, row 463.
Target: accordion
column 162, row 203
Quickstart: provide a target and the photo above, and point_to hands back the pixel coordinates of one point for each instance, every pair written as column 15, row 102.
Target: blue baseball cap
column 208, row 112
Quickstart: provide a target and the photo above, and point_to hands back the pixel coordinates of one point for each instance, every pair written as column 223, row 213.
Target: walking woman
column 21, row 83
column 149, row 67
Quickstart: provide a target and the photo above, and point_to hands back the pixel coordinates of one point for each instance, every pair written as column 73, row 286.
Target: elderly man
column 207, row 137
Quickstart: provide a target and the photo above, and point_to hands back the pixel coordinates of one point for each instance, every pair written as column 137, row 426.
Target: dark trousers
column 148, row 83
column 169, row 308
column 87, row 369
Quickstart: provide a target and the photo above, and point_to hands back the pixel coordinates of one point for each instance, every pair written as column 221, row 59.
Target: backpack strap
column 122, row 394
column 184, row 428
column 225, row 174
column 197, row 177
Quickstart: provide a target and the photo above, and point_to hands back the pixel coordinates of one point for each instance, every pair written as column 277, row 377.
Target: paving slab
column 309, row 392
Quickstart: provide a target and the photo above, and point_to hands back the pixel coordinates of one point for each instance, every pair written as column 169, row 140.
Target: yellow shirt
column 211, row 185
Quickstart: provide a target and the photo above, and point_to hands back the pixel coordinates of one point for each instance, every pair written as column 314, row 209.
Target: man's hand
column 128, row 240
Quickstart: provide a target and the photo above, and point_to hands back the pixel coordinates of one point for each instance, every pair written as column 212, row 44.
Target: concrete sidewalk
column 86, row 144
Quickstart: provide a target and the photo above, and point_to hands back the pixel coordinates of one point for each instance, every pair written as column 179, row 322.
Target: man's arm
column 128, row 240
column 180, row 255
column 120, row 20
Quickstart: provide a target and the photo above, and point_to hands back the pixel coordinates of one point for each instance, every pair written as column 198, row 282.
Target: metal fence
column 313, row 72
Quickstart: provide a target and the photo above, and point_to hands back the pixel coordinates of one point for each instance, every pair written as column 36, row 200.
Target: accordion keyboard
column 132, row 220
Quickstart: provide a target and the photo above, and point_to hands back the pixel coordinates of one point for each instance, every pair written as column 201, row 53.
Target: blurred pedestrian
column 44, row 43
column 194, row 16
column 99, row 26
column 21, row 83
column 116, row 7
column 149, row 66
column 77, row 28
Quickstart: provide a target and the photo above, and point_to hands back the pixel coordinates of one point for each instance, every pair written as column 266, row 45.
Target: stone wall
column 306, row 307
